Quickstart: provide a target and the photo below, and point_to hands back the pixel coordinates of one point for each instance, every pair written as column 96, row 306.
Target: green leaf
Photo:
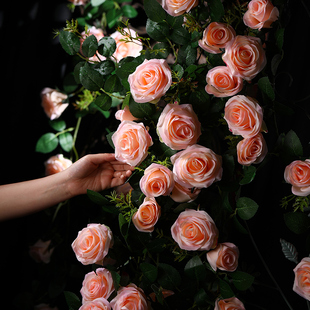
column 195, row 269
column 246, row 208
column 105, row 67
column 297, row 222
column 116, row 279
column 149, row 271
column 112, row 84
column 90, row 78
column 66, row 141
column 158, row 31
column 76, row 71
column 123, row 225
column 106, row 46
column 154, row 10
column 279, row 38
column 97, row 198
column 289, row 251
column 225, row 289
column 187, row 55
column 47, row 143
column 180, row 36
column 72, row 300
column 216, row 10
column 242, row 280
column 266, row 88
column 249, row 173
column 201, row 298
column 90, row 46
column 129, row 11
column 292, row 145
column 113, row 16
column 124, row 71
column 69, row 83
column 103, row 102
column 141, row 110
column 97, row 2
column 58, row 124
column 69, row 41
column 168, row 276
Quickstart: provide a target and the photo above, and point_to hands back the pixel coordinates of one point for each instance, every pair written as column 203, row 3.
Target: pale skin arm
column 95, row 172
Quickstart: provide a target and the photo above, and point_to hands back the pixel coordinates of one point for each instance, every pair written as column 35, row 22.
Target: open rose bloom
column 52, row 102
column 178, row 126
column 260, row 14
column 302, row 278
column 297, row 174
column 178, row 7
column 92, row 244
column 232, row 303
column 96, row 304
column 195, row 231
column 56, row 164
column 150, row 81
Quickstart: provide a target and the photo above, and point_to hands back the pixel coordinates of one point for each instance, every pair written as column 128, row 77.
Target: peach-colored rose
column 52, row 102
column 178, row 126
column 150, row 81
column 224, row 257
column 297, row 173
column 130, row 297
column 229, row 304
column 244, row 116
column 157, row 181
column 252, row 150
column 197, row 166
column 221, row 82
column 195, row 231
column 260, row 14
column 184, row 194
column 216, row 36
column 92, row 244
column 79, row 2
column 302, row 278
column 123, row 48
column 41, row 252
column 245, row 56
column 96, row 304
column 131, row 141
column 97, row 284
column 98, row 33
column 125, row 115
column 147, row 215
column 56, row 164
column 178, row 7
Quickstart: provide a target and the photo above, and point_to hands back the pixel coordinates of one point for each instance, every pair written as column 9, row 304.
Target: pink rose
column 184, row 194
column 147, row 215
column 125, row 115
column 157, row 181
column 97, row 284
column 224, row 257
column 216, row 36
column 245, row 56
column 178, row 7
column 197, row 166
column 92, row 244
column 96, row 304
column 52, row 102
column 126, row 48
column 244, row 116
column 229, row 304
column 130, row 297
column 56, row 164
column 178, row 126
column 297, row 174
column 260, row 14
column 195, row 231
column 150, row 81
column 302, row 278
column 221, row 82
column 131, row 141
column 41, row 252
column 252, row 150
column 79, row 2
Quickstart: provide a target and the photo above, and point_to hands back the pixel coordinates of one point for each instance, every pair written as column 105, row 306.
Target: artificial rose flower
column 125, row 115
column 98, row 33
column 123, row 48
column 222, row 83
column 184, row 194
column 79, row 2
column 297, row 173
column 92, row 244
column 216, row 36
column 195, row 231
column 260, row 14
column 302, row 278
column 244, row 116
column 96, row 304
column 224, row 257
column 197, row 166
column 229, row 304
column 252, row 150
column 130, row 297
column 41, row 252
column 147, row 215
column 178, row 126
column 245, row 56
column 52, row 102
column 56, row 164
column 150, row 81
column 178, row 7
column 43, row 306
column 131, row 141
column 97, row 284
column 157, row 181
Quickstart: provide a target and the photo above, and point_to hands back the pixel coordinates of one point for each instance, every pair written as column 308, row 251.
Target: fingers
column 122, row 174
column 117, row 165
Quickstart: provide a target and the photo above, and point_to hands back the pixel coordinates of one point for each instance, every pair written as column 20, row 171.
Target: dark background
column 31, row 60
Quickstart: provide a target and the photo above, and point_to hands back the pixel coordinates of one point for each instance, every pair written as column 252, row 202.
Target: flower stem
column 74, row 137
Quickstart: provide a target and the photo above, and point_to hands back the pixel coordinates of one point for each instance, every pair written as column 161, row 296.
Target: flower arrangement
column 190, row 103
